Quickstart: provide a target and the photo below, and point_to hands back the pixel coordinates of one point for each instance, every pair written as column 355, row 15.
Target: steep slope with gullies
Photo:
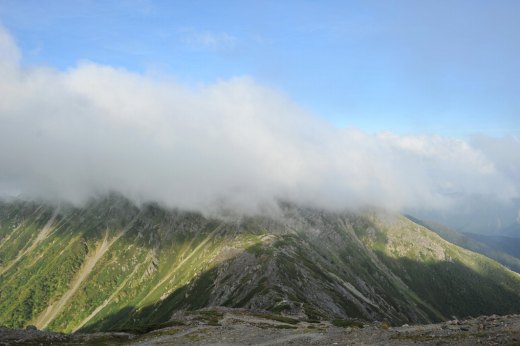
column 114, row 266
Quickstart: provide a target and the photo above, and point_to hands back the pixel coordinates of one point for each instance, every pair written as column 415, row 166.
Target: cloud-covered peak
column 95, row 128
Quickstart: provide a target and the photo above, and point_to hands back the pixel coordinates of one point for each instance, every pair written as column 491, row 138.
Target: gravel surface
column 235, row 327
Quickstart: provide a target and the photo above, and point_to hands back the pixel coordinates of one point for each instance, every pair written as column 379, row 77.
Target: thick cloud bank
column 92, row 129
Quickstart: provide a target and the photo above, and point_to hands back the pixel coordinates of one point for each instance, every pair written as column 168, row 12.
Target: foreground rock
column 239, row 327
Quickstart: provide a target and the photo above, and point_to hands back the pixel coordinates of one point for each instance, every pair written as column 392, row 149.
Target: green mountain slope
column 113, row 266
column 504, row 250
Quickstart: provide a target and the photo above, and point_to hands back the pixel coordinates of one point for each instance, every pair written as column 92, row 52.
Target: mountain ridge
column 154, row 262
column 500, row 248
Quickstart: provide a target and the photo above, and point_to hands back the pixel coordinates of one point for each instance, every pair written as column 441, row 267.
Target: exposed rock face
column 114, row 266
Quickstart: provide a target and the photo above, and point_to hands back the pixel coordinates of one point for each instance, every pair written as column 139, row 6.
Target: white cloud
column 207, row 39
column 94, row 128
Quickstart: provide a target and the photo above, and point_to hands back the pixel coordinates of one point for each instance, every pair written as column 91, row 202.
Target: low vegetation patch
column 278, row 318
column 280, row 307
column 147, row 328
column 284, row 326
column 347, row 323
column 211, row 317
column 309, row 320
column 311, row 312
column 385, row 325
column 208, row 313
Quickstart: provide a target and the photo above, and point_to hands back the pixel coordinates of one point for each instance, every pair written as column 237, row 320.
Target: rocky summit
column 113, row 266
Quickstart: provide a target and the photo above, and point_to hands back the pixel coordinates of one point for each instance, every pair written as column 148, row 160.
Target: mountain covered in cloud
column 112, row 265
column 182, row 172
column 235, row 144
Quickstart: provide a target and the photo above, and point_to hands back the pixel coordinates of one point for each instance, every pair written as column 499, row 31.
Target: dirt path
column 153, row 340
column 282, row 340
column 169, row 275
column 8, row 237
column 90, row 262
column 42, row 235
column 54, row 309
column 108, row 300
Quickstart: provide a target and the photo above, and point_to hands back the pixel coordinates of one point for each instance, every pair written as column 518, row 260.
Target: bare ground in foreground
column 239, row 327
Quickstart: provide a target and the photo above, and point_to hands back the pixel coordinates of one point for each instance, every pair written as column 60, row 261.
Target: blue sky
column 444, row 67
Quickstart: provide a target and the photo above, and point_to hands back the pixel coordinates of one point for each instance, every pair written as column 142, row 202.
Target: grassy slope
column 156, row 262
column 454, row 281
column 502, row 249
